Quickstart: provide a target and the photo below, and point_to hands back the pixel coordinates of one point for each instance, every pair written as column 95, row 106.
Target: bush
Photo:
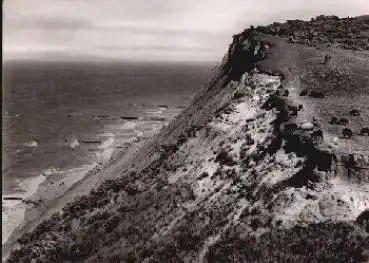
column 363, row 220
column 224, row 158
column 203, row 175
column 323, row 242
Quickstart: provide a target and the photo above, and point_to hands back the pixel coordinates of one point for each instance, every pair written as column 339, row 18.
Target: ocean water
column 61, row 118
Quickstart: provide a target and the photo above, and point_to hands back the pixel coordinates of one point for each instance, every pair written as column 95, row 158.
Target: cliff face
column 253, row 170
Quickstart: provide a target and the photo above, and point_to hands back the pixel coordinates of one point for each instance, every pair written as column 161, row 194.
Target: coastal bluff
column 268, row 164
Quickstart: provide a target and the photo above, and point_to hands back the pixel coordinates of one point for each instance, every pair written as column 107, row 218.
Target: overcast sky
column 190, row 30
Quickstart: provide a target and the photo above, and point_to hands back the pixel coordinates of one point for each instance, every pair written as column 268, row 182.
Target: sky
column 146, row 30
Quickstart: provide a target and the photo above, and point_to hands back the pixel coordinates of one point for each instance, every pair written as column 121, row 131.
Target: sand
column 55, row 188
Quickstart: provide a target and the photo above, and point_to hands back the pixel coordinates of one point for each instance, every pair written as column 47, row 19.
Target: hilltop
column 269, row 164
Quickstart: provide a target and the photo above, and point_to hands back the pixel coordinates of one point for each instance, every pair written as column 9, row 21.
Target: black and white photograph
column 185, row 131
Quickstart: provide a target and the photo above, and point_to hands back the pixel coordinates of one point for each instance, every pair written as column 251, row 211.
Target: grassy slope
column 123, row 220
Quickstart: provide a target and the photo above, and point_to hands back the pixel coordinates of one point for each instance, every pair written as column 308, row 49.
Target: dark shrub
column 186, row 239
column 131, row 257
column 364, row 131
column 255, row 223
column 316, row 94
column 311, row 197
column 290, row 127
column 324, row 242
column 111, row 224
column 224, row 158
column 363, row 220
column 274, row 102
column 317, row 134
column 304, row 92
column 347, row 133
column 238, row 94
column 203, row 175
column 293, row 110
column 249, row 140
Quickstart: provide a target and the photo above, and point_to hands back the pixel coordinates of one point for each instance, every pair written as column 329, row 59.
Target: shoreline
column 112, row 154
column 116, row 146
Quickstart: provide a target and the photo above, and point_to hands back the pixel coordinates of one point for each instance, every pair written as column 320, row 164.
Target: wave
column 30, row 144
column 107, row 150
column 13, row 207
column 74, row 144
column 129, row 125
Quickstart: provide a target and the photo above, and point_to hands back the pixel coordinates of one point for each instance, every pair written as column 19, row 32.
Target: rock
column 307, row 126
column 327, row 59
column 342, row 121
column 128, row 117
column 354, row 112
column 335, row 140
column 13, row 198
column 244, row 78
column 333, row 120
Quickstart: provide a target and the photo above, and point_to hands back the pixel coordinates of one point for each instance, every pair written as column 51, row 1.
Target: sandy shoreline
column 57, row 190
column 118, row 147
column 116, row 152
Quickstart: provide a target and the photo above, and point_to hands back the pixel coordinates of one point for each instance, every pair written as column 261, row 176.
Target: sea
column 61, row 118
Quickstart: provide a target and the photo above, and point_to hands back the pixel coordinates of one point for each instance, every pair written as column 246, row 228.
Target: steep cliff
column 255, row 170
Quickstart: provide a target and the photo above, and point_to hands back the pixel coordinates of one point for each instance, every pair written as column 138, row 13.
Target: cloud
column 141, row 29
column 47, row 23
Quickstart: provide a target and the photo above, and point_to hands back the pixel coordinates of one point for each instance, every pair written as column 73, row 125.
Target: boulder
column 335, row 140
column 307, row 126
column 354, row 112
column 342, row 121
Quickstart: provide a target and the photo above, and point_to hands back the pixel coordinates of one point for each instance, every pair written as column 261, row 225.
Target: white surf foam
column 107, row 143
column 30, row 144
column 129, row 125
column 107, row 149
column 74, row 144
column 13, row 210
column 163, row 109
